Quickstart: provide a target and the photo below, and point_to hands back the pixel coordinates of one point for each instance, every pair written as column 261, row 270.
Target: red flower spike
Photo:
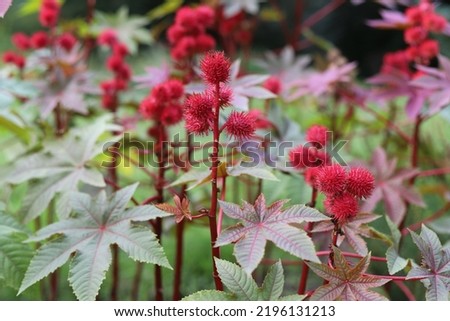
column 114, row 63
column 205, row 15
column 48, row 13
column 21, row 41
column 108, row 37
column 434, row 22
column 415, row 35
column 429, row 49
column 149, row 107
column 204, row 43
column 298, row 156
column 197, row 126
column 343, row 207
column 175, row 88
column 261, row 121
column 199, row 105
column 39, row 40
column 317, row 135
column 331, row 180
column 360, row 182
column 119, row 49
column 414, row 15
column 109, row 101
column 175, row 33
column 160, row 93
column 240, row 125
column 9, row 57
column 186, row 17
column 124, row 72
column 215, row 68
column 67, row 41
column 273, row 84
column 311, row 176
column 171, row 114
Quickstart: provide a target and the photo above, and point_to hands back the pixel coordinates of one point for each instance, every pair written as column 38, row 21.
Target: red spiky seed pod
column 215, row 68
column 317, row 135
column 331, row 180
column 343, row 207
column 240, row 125
column 175, row 88
column 360, row 182
column 205, row 15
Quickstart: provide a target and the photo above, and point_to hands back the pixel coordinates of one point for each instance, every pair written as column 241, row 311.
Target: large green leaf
column 14, row 254
column 59, row 168
column 243, row 287
column 130, row 29
column 210, row 295
column 395, row 262
column 273, row 284
column 99, row 222
column 237, row 280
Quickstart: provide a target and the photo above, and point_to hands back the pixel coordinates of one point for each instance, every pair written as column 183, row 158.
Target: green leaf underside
column 99, row 223
column 59, row 168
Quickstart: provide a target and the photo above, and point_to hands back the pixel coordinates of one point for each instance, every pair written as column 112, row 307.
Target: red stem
column 214, row 190
column 222, row 198
column 406, row 291
column 299, row 9
column 322, row 13
column 305, row 267
column 415, row 147
column 180, row 233
column 160, row 192
column 435, row 216
column 137, row 281
column 435, row 172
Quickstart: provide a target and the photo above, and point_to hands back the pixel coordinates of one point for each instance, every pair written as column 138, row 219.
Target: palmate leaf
column 59, row 168
column 390, row 189
column 130, row 29
column 435, row 267
column 346, row 282
column 14, row 254
column 244, row 288
column 99, row 223
column 353, row 231
column 260, row 223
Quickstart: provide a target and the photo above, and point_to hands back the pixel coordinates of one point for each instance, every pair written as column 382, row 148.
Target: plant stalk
column 215, row 251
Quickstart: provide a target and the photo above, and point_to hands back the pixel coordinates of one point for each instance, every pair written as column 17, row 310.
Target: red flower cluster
column 49, row 13
column 187, row 35
column 117, row 65
column 422, row 20
column 312, row 155
column 10, row 57
column 200, row 109
column 163, row 104
column 235, row 29
column 343, row 189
